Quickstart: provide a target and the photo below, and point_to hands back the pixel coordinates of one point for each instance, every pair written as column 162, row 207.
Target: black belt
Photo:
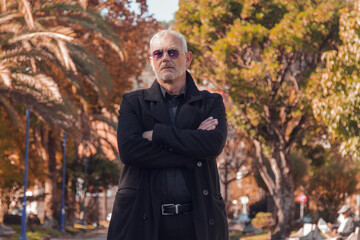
column 174, row 209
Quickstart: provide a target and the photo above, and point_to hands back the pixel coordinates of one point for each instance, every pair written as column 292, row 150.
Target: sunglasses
column 158, row 54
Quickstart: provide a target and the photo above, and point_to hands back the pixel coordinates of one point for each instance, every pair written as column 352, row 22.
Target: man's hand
column 148, row 135
column 208, row 124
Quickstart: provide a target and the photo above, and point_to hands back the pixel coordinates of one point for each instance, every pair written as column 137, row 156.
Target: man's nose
column 166, row 56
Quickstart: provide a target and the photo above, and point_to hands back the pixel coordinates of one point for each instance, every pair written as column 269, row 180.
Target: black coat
column 136, row 209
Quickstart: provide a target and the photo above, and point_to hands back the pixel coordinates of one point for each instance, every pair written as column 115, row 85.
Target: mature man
column 169, row 136
column 345, row 224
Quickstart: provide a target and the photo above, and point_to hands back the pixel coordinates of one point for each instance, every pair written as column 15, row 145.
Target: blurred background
column 288, row 72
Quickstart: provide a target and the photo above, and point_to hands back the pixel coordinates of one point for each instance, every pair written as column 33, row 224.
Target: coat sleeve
column 197, row 143
column 137, row 151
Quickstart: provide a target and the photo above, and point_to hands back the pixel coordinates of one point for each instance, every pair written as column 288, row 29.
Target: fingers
column 209, row 124
column 148, row 135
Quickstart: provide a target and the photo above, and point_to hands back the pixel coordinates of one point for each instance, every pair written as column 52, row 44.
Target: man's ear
column 188, row 56
column 151, row 62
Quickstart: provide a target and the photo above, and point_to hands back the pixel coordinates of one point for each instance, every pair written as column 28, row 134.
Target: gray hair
column 172, row 32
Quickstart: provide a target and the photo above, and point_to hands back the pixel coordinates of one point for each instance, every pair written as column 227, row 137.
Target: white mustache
column 167, row 66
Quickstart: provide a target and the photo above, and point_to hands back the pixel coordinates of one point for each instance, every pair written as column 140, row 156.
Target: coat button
column 145, row 216
column 199, row 164
column 205, row 192
column 211, row 221
column 170, row 149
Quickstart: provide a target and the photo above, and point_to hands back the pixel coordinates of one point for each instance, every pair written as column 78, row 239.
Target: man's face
column 169, row 68
column 347, row 213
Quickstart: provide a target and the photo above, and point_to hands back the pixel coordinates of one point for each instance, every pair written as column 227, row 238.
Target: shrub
column 263, row 220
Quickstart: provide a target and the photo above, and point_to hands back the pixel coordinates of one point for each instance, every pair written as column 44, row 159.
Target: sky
column 163, row 10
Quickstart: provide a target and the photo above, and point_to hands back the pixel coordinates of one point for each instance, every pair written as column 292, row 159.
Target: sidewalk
column 97, row 234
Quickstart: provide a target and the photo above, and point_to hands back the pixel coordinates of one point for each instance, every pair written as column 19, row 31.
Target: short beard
column 167, row 81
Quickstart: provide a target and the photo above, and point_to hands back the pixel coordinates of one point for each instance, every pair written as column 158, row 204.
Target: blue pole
column 23, row 216
column 85, row 172
column 62, row 212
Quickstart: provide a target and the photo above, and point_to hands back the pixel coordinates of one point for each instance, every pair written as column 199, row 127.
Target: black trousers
column 177, row 227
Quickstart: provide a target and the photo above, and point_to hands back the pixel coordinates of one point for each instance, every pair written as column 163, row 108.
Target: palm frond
column 114, row 47
column 11, row 5
column 90, row 66
column 100, row 134
column 28, row 53
column 29, row 36
column 107, row 120
column 13, row 27
column 83, row 3
column 19, row 55
column 25, row 8
column 108, row 145
column 48, row 111
column 90, row 20
column 68, row 62
column 16, row 119
column 62, row 30
column 9, row 17
column 107, row 37
column 27, row 46
column 52, row 49
column 60, row 50
column 91, row 15
column 3, row 6
column 5, row 75
column 68, row 105
column 40, row 85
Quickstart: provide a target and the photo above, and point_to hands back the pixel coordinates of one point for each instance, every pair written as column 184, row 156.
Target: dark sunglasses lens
column 173, row 53
column 157, row 55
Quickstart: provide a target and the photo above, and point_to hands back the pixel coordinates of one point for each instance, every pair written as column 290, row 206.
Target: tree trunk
column 70, row 204
column 281, row 188
column 224, row 176
column 105, row 203
column 51, row 202
column 4, row 206
column 226, row 197
column 226, row 183
column 97, row 207
column 284, row 214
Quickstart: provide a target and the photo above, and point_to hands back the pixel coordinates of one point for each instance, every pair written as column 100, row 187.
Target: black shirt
column 173, row 185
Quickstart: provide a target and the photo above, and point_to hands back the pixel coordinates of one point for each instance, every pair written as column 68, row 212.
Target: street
column 99, row 234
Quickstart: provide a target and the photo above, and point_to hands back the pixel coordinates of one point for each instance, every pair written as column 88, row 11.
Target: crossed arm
column 204, row 142
column 208, row 124
column 166, row 146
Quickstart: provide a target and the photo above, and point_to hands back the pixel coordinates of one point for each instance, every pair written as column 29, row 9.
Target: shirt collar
column 163, row 91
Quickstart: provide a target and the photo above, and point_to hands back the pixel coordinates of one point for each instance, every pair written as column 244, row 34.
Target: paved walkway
column 99, row 234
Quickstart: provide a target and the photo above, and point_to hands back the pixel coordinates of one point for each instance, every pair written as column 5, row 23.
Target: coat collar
column 192, row 93
column 159, row 109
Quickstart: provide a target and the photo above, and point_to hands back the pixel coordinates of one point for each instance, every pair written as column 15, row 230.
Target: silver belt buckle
column 169, row 205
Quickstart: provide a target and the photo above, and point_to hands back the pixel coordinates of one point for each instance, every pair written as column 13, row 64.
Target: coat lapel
column 189, row 115
column 158, row 108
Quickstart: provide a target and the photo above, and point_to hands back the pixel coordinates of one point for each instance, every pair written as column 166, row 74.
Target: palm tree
column 44, row 66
